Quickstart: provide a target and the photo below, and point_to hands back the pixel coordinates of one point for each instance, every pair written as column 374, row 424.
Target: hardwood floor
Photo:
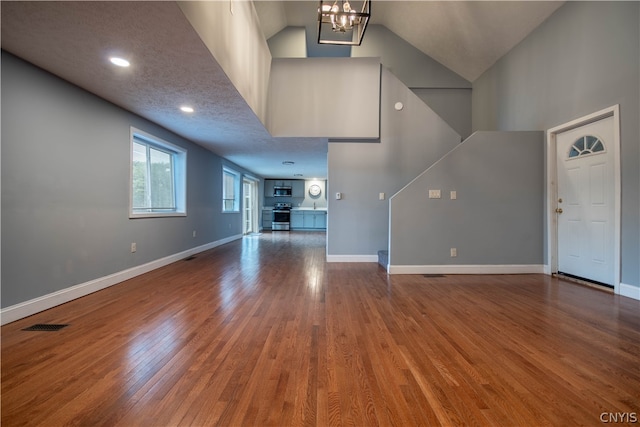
column 264, row 332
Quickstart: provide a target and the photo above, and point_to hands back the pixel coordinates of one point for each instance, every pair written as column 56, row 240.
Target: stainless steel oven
column 281, row 217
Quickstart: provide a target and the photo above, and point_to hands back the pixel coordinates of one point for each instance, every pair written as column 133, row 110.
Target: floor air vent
column 45, row 327
column 430, row 276
column 190, row 258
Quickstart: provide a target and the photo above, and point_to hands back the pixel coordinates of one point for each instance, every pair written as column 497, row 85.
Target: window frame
column 179, row 175
column 237, row 178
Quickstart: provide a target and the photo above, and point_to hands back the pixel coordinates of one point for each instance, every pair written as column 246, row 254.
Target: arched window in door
column 586, row 145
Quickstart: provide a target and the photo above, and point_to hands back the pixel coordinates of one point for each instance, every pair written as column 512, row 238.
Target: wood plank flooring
column 264, row 332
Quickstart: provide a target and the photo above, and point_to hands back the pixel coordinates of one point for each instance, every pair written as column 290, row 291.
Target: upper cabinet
column 268, row 187
column 297, row 188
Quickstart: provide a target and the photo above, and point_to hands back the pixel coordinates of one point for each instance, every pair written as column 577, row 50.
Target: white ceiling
column 171, row 66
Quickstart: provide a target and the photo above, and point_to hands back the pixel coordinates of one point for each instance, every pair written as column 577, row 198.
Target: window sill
column 156, row 214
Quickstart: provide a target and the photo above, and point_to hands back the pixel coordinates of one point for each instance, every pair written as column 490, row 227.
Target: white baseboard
column 352, row 258
column 45, row 302
column 629, row 291
column 466, row 269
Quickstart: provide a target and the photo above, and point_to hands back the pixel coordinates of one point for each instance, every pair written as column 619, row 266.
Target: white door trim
column 552, row 187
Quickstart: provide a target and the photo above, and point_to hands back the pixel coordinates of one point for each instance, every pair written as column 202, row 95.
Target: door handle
column 559, row 210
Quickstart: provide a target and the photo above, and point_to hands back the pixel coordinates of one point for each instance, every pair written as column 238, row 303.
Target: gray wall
column 410, row 141
column 584, row 58
column 222, row 30
column 453, row 105
column 447, row 93
column 324, row 97
column 65, row 189
column 289, row 43
column 496, row 218
column 410, row 65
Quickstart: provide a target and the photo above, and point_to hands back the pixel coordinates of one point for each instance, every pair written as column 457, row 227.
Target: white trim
column 629, row 291
column 352, row 258
column 466, row 269
column 179, row 175
column 45, row 302
column 552, row 188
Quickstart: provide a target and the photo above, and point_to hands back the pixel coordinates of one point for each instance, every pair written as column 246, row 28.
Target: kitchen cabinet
column 267, row 218
column 268, row 187
column 297, row 188
column 320, row 220
column 308, row 220
column 297, row 219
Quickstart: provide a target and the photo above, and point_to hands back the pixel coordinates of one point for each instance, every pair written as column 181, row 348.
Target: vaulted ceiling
column 465, row 36
column 172, row 66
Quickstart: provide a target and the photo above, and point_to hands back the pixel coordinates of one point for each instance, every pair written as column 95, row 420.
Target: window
column 586, row 145
column 230, row 191
column 158, row 177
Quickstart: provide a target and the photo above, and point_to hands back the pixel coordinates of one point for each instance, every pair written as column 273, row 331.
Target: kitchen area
column 294, row 205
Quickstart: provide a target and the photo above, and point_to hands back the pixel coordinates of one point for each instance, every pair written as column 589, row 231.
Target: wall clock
column 315, row 190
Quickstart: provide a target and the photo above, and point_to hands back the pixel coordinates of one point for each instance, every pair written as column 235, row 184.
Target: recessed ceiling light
column 288, row 163
column 120, row 62
column 186, row 109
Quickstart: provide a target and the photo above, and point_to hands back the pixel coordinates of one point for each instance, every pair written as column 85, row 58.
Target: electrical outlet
column 454, row 252
column 194, row 233
column 434, row 194
column 133, row 247
column 454, row 194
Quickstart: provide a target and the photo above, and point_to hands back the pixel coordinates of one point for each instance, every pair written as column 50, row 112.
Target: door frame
column 255, row 223
column 552, row 188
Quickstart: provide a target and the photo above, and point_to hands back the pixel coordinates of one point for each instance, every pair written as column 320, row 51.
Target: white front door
column 585, row 205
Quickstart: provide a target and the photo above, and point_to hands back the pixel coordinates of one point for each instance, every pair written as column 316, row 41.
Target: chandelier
column 340, row 23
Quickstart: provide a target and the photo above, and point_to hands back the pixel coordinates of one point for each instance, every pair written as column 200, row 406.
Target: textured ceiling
column 171, row 66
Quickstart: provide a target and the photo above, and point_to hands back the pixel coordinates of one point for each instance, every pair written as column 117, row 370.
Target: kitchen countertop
column 297, row 208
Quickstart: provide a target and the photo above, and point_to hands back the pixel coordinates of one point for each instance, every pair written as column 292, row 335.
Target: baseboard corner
column 629, row 291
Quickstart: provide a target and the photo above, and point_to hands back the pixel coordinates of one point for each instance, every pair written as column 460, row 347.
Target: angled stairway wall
column 495, row 223
column 411, row 139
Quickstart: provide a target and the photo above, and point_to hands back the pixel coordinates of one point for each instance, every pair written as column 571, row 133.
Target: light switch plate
column 434, row 194
column 381, row 196
column 454, row 195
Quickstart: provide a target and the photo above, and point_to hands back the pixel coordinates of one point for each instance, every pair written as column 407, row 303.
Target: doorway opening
column 250, row 205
